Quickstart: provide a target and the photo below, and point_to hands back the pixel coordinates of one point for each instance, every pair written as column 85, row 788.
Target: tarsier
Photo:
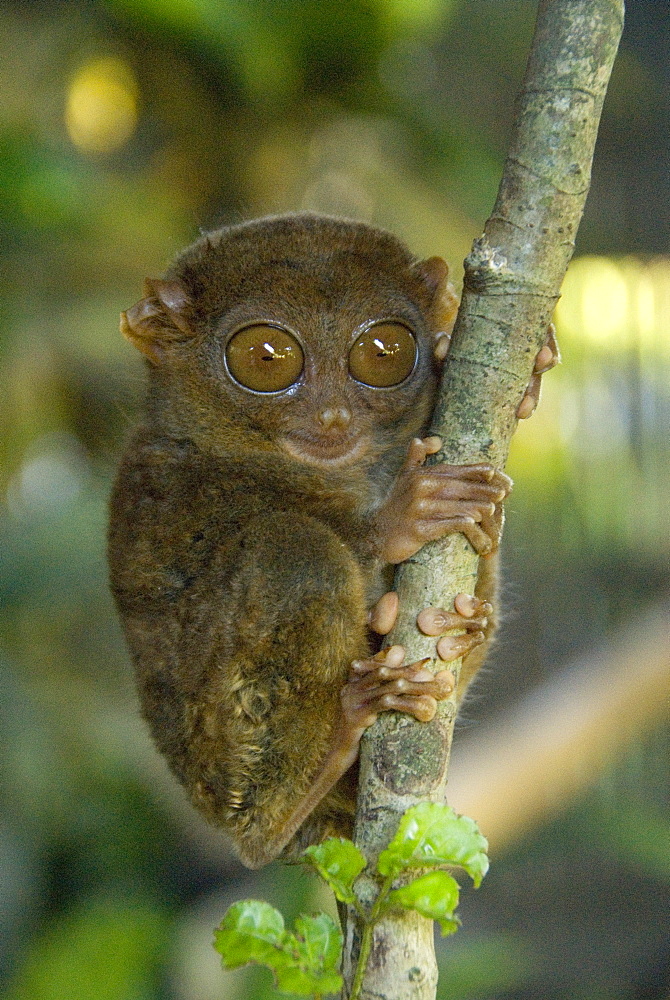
column 276, row 479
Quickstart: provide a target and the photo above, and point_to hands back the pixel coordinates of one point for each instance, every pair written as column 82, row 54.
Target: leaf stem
column 377, row 909
column 367, row 935
column 363, row 956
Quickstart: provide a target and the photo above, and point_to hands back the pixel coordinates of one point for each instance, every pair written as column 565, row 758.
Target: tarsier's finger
column 479, row 472
column 432, row 444
column 433, row 509
column 419, row 448
column 436, row 621
column 442, row 344
column 438, row 686
column 547, row 357
column 392, row 656
column 382, row 616
column 503, row 481
column 446, row 488
column 435, row 527
column 491, row 523
column 544, row 361
column 528, row 404
column 416, row 453
column 422, row 707
column 452, row 647
column 549, row 354
column 383, row 675
column 470, row 606
column 479, row 540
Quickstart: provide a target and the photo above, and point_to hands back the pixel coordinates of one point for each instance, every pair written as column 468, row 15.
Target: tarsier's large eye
column 383, row 355
column 264, row 358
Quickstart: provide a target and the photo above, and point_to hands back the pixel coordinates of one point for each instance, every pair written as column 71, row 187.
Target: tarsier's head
column 314, row 335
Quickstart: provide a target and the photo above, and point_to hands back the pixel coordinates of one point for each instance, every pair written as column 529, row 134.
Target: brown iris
column 383, row 355
column 264, row 358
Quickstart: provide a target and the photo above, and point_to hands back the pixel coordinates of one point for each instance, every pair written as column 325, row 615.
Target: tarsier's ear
column 443, row 307
column 160, row 318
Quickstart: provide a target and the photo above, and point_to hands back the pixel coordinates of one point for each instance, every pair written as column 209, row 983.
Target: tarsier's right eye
column 264, row 358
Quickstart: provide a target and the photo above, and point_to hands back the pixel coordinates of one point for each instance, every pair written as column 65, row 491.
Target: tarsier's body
column 260, row 507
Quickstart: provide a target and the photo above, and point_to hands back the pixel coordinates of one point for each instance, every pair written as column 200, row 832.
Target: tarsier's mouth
column 323, row 450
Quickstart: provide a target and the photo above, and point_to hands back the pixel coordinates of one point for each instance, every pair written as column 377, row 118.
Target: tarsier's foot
column 429, row 502
column 547, row 357
column 469, row 613
column 382, row 683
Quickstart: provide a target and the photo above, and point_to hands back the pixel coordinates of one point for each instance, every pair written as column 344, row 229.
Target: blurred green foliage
column 125, row 127
column 107, row 946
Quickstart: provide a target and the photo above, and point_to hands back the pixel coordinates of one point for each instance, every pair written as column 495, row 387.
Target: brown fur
column 243, row 575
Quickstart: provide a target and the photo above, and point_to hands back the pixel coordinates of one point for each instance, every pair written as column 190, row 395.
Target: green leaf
column 321, row 939
column 251, row 931
column 434, row 895
column 317, row 946
column 339, row 862
column 303, row 962
column 431, row 834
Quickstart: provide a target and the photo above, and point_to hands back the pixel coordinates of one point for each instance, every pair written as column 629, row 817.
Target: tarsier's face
column 329, row 424
column 311, row 335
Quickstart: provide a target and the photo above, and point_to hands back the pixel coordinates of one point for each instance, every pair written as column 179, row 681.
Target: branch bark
column 512, row 281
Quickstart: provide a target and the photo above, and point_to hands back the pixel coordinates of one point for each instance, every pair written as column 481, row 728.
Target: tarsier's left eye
column 383, row 355
column 264, row 358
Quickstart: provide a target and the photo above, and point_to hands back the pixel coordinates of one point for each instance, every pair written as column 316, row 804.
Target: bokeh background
column 127, row 125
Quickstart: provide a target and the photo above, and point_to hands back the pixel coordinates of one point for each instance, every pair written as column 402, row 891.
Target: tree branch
column 512, row 281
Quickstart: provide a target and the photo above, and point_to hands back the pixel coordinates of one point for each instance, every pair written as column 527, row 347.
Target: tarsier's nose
column 334, row 418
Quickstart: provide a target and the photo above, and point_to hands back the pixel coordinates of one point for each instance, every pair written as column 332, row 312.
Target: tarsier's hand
column 430, row 502
column 547, row 357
